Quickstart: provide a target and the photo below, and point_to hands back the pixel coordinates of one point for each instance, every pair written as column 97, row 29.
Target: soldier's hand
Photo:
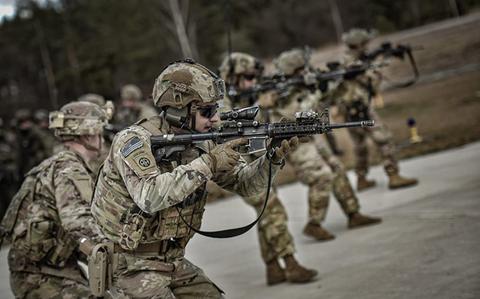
column 224, row 157
column 286, row 147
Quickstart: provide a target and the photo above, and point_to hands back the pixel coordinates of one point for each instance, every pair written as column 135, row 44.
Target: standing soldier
column 51, row 211
column 131, row 107
column 355, row 103
column 241, row 71
column 315, row 165
column 149, row 209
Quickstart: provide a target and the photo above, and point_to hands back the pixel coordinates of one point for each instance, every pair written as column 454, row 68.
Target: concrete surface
column 427, row 247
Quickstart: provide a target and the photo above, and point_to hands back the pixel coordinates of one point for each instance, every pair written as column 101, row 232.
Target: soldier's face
column 247, row 81
column 204, row 124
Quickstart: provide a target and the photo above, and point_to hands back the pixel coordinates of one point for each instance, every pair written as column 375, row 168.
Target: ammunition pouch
column 132, row 230
column 358, row 111
column 101, row 263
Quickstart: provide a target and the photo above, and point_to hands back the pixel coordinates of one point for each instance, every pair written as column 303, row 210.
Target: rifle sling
column 234, row 232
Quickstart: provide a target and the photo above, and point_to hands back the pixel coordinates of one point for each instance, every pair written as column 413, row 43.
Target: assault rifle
column 257, row 133
column 241, row 124
column 400, row 51
column 314, row 78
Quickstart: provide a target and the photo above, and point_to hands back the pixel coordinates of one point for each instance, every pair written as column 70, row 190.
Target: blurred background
column 53, row 51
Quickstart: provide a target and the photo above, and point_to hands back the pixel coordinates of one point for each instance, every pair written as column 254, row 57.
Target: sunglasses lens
column 208, row 112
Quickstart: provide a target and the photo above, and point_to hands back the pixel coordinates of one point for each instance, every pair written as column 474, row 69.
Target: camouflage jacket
column 358, row 91
column 47, row 230
column 137, row 201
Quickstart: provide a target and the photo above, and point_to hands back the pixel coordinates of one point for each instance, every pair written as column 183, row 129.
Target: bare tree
column 180, row 29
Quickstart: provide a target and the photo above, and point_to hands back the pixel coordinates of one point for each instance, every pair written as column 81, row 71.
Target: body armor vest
column 125, row 223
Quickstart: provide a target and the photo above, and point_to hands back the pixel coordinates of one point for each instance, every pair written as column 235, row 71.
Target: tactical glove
column 286, row 147
column 224, row 157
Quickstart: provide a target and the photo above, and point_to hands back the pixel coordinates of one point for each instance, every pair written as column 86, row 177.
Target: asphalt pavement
column 428, row 245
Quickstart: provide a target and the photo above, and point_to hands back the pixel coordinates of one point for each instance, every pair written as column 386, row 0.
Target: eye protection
column 249, row 77
column 208, row 111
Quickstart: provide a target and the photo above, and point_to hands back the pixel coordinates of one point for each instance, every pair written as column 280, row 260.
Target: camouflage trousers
column 40, row 286
column 382, row 137
column 146, row 277
column 322, row 177
column 273, row 235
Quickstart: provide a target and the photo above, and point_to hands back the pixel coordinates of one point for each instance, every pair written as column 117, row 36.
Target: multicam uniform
column 49, row 215
column 143, row 206
column 314, row 164
column 275, row 239
column 354, row 97
column 273, row 234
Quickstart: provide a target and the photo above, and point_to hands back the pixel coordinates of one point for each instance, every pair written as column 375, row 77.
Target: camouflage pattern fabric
column 137, row 202
column 315, row 165
column 185, row 281
column 44, row 241
column 273, row 234
column 39, row 286
column 354, row 97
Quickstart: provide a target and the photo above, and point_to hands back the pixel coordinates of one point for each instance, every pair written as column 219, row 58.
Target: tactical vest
column 125, row 223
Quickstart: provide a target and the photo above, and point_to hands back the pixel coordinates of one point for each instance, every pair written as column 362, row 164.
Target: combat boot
column 356, row 220
column 275, row 273
column 364, row 183
column 397, row 181
column 317, row 232
column 296, row 273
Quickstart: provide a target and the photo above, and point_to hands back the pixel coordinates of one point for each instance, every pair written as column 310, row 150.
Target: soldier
column 41, row 120
column 148, row 209
column 355, row 103
column 31, row 145
column 131, row 107
column 315, row 165
column 241, row 71
column 51, row 211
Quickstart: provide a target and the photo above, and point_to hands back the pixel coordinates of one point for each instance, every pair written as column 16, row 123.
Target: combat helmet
column 237, row 64
column 183, row 87
column 77, row 119
column 357, row 37
column 288, row 62
column 99, row 100
column 131, row 92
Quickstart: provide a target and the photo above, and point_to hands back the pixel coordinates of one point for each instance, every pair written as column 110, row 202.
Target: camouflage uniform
column 128, row 115
column 276, row 241
column 142, row 206
column 51, row 213
column 315, row 164
column 354, row 99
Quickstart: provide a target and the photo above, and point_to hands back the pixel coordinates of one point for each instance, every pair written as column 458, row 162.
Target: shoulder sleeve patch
column 132, row 145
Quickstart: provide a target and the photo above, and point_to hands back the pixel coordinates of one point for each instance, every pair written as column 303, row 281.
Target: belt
column 155, row 248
